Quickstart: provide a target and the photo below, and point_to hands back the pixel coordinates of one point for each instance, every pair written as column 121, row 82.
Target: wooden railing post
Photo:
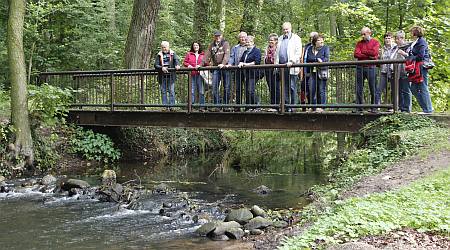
column 111, row 83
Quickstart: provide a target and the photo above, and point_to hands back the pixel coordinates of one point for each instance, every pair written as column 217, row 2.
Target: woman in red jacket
column 193, row 59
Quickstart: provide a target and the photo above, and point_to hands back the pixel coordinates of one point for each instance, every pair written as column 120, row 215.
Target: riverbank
column 359, row 176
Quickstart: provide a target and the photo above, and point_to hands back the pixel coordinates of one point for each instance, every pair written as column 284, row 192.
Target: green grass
column 423, row 205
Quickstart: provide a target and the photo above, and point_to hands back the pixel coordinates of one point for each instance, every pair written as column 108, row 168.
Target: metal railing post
column 282, row 97
column 189, row 104
column 141, row 83
column 111, row 83
column 396, row 86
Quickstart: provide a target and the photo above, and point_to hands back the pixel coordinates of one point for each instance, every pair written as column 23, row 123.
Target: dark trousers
column 363, row 73
column 273, row 83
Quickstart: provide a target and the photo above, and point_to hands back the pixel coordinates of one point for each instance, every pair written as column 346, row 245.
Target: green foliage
column 420, row 206
column 170, row 142
column 94, row 146
column 5, row 110
column 49, row 104
column 45, row 152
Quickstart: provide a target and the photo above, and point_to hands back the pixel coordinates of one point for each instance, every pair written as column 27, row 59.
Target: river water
column 205, row 186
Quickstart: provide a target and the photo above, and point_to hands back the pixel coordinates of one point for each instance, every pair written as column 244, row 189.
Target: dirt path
column 393, row 177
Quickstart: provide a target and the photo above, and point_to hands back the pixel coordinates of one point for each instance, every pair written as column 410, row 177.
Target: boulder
column 256, row 232
column 161, row 189
column 262, row 190
column 258, row 223
column 223, row 227
column 29, row 183
column 242, row 215
column 66, row 185
column 280, row 224
column 235, row 233
column 109, row 178
column 222, row 237
column 48, row 180
column 257, row 211
column 2, row 178
column 207, row 228
column 167, row 204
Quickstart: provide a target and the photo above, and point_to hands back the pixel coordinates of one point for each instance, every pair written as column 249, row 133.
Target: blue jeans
column 317, row 89
column 250, row 93
column 420, row 91
column 238, row 79
column 370, row 74
column 383, row 85
column 197, row 87
column 404, row 100
column 167, row 83
column 218, row 76
column 290, row 87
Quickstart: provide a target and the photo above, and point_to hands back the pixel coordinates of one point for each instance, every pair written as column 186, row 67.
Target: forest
column 94, row 35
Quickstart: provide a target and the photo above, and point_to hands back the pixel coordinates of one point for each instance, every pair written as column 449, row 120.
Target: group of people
column 412, row 76
column 287, row 49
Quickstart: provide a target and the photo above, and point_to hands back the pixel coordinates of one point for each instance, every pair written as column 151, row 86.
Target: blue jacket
column 234, row 57
column 253, row 56
column 323, row 53
column 420, row 51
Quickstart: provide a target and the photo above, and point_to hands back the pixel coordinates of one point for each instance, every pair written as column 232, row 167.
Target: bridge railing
column 248, row 88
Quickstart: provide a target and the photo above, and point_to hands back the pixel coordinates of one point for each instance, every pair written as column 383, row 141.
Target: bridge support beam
column 328, row 121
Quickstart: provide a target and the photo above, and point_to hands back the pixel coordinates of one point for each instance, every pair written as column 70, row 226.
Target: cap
column 217, row 33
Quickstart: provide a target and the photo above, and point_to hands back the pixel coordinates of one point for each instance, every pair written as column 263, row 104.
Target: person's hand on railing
column 289, row 64
column 165, row 69
column 190, row 66
column 241, row 64
column 220, row 66
column 177, row 67
column 401, row 52
column 319, row 60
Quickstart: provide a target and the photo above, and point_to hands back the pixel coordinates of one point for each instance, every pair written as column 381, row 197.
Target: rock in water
column 48, row 180
column 235, row 233
column 2, row 178
column 109, row 178
column 223, row 227
column 258, row 223
column 207, row 228
column 262, row 190
column 66, row 185
column 257, row 211
column 242, row 215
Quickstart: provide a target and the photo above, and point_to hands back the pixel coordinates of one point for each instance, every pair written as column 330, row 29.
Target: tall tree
column 141, row 33
column 200, row 21
column 19, row 103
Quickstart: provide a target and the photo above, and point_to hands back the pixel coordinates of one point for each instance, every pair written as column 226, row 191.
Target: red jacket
column 367, row 50
column 189, row 59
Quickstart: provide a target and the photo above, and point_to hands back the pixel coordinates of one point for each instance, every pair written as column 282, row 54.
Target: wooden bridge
column 133, row 98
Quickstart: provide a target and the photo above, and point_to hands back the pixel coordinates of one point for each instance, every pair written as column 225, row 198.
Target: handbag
column 207, row 76
column 323, row 73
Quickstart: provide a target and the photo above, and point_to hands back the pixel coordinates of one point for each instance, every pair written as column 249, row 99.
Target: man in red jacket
column 366, row 49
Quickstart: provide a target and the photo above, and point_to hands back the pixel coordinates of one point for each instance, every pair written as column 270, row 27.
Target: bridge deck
column 300, row 121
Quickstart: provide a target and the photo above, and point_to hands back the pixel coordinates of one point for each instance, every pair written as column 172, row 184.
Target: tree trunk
column 222, row 15
column 18, row 75
column 111, row 10
column 250, row 16
column 200, row 20
column 141, row 33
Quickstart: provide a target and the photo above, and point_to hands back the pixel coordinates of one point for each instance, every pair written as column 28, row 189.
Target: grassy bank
column 422, row 206
column 381, row 143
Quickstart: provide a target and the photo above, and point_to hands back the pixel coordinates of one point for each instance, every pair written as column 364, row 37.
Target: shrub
column 94, row 146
